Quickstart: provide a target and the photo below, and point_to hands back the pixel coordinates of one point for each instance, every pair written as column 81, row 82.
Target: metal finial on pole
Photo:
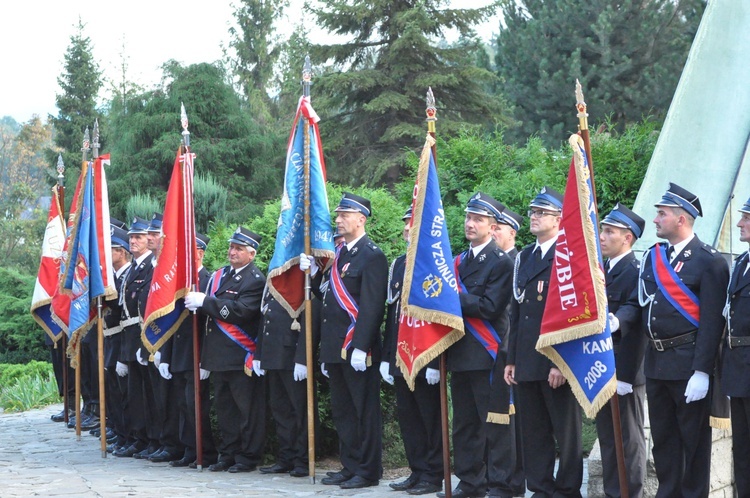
column 583, row 121
column 60, row 170
column 431, row 111
column 306, row 77
column 86, row 143
column 95, row 142
column 184, row 121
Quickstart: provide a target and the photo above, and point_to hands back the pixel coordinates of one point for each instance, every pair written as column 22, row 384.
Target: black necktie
column 470, row 256
column 229, row 276
column 607, row 266
column 670, row 253
column 538, row 255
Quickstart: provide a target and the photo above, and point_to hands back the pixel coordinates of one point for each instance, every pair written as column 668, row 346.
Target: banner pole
column 60, row 193
column 306, row 82
column 84, row 152
column 100, row 337
column 614, row 402
column 431, row 111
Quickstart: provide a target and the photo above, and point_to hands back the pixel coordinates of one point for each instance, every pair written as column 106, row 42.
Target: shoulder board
column 498, row 252
column 636, row 264
column 710, row 249
column 373, row 246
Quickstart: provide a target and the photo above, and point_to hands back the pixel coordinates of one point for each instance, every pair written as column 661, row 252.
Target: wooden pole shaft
column 78, row 392
column 308, row 317
column 102, row 394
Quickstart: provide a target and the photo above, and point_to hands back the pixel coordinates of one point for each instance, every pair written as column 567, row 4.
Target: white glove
column 256, row 368
column 204, row 374
column 359, row 360
column 384, row 371
column 300, row 372
column 697, row 387
column 614, row 323
column 164, row 371
column 140, row 359
column 194, row 300
column 323, row 369
column 306, row 262
column 624, row 388
column 121, row 369
column 432, row 375
column 157, row 359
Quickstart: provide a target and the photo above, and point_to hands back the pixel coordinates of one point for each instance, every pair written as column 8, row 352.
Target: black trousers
column 470, row 393
column 682, row 439
column 138, row 410
column 633, row 443
column 741, row 444
column 241, row 415
column 547, row 416
column 183, row 385
column 115, row 392
column 419, row 421
column 89, row 371
column 355, row 409
column 56, row 356
column 168, row 401
column 288, row 401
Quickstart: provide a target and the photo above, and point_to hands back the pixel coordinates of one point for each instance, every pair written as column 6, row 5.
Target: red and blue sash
column 231, row 330
column 347, row 303
column 481, row 329
column 672, row 287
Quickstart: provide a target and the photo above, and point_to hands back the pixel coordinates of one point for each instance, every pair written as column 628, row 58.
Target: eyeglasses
column 538, row 213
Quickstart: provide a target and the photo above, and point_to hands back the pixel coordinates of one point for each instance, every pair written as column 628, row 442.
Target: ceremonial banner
column 431, row 318
column 575, row 331
column 176, row 271
column 83, row 277
column 101, row 200
column 49, row 271
column 285, row 279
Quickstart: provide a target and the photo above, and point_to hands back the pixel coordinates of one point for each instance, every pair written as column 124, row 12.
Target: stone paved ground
column 41, row 458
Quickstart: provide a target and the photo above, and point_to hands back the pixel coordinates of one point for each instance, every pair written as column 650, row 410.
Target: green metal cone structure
column 704, row 145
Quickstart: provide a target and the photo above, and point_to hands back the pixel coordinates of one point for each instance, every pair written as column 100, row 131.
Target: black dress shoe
column 276, row 468
column 182, row 462
column 60, row 417
column 96, row 432
column 240, row 467
column 335, row 479
column 357, row 482
column 163, row 456
column 407, row 483
column 219, row 466
column 147, row 453
column 424, row 488
column 460, row 493
column 332, row 473
column 126, row 452
column 299, row 472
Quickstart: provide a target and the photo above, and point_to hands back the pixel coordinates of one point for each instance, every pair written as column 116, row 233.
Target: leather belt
column 738, row 341
column 673, row 342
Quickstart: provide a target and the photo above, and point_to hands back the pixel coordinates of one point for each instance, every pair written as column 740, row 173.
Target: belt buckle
column 658, row 345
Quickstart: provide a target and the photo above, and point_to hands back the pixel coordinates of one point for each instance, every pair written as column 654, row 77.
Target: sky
column 35, row 34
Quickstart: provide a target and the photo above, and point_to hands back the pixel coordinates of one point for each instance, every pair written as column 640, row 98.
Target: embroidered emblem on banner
column 432, row 286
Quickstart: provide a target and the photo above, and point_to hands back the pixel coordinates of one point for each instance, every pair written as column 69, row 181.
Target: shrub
column 29, row 391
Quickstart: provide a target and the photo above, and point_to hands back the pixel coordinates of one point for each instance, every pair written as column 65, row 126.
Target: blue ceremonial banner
column 285, row 279
column 431, row 318
column 575, row 332
column 83, row 275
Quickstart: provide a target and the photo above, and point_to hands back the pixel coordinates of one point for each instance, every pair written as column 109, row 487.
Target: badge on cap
column 238, row 230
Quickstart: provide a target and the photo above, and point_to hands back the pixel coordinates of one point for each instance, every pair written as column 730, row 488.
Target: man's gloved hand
column 359, row 360
column 164, row 371
column 194, row 300
column 624, row 388
column 306, row 262
column 121, row 369
column 204, row 374
column 300, row 372
column 140, row 358
column 614, row 323
column 323, row 369
column 432, row 375
column 257, row 370
column 384, row 371
column 157, row 359
column 697, row 387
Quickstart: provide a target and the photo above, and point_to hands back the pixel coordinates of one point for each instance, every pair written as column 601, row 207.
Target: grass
column 27, row 392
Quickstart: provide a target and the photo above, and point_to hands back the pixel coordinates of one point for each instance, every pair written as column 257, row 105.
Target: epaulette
column 498, row 252
column 373, row 246
column 636, row 264
column 710, row 249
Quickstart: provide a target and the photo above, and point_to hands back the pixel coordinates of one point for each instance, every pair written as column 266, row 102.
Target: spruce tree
column 372, row 93
column 79, row 83
column 628, row 55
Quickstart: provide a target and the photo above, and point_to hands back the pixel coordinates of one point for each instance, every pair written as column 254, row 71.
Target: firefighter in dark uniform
column 504, row 235
column 281, row 355
column 486, row 274
column 419, row 410
column 133, row 296
column 232, row 304
column 683, row 343
column 619, row 231
column 546, row 407
column 350, row 348
column 115, row 386
column 736, row 358
column 177, row 366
